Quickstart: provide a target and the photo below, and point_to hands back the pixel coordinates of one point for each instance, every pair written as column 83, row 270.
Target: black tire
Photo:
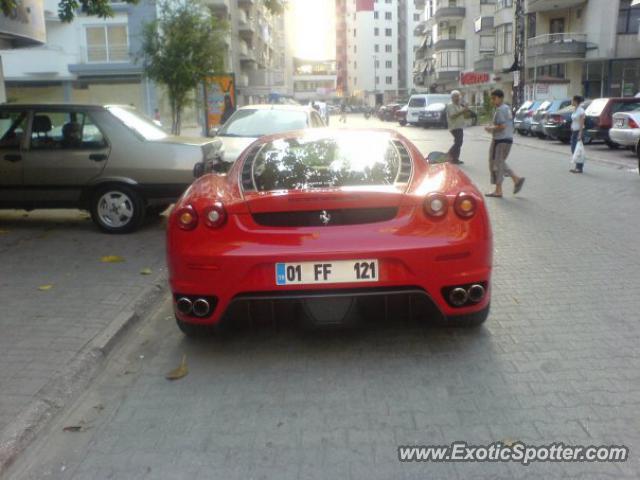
column 402, row 123
column 541, row 136
column 612, row 145
column 469, row 320
column 128, row 220
column 196, row 331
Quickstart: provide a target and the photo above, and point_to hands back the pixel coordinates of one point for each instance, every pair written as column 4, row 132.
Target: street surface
column 557, row 360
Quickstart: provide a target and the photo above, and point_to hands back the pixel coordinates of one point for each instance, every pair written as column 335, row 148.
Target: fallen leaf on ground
column 44, row 288
column 112, row 259
column 145, row 271
column 179, row 372
column 72, row 428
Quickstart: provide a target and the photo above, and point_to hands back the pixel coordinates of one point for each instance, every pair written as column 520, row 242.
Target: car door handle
column 97, row 157
column 13, row 157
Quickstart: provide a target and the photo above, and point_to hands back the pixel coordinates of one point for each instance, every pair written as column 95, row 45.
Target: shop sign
column 473, row 78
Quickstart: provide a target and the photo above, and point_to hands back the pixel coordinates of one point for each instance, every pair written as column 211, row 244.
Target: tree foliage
column 180, row 48
column 67, row 8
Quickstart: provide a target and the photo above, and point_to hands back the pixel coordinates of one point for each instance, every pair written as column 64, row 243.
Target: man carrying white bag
column 577, row 128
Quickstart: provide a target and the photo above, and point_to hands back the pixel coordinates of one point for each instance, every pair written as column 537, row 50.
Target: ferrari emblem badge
column 325, row 217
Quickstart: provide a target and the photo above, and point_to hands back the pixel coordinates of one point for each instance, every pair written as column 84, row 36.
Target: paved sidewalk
column 57, row 294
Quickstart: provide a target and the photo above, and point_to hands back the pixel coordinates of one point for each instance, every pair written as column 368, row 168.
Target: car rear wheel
column 117, row 209
column 469, row 320
column 402, row 123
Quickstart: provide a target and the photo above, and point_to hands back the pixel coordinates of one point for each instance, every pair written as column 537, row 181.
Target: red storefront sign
column 473, row 78
column 364, row 5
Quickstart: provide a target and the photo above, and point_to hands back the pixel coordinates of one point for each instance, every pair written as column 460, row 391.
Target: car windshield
column 438, row 99
column 140, row 124
column 417, row 102
column 321, row 162
column 597, row 106
column 544, row 105
column 249, row 122
column 525, row 106
column 436, row 107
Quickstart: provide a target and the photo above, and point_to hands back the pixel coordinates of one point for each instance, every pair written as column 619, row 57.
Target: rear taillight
column 556, row 119
column 632, row 123
column 215, row 216
column 435, row 205
column 187, row 218
column 465, row 205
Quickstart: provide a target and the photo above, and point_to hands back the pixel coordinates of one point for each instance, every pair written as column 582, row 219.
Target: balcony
column 449, row 10
column 218, row 5
column 246, row 54
column 246, row 25
column 533, row 6
column 558, row 47
column 483, row 65
column 449, row 44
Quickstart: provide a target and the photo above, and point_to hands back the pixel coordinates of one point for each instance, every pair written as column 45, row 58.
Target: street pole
column 518, row 87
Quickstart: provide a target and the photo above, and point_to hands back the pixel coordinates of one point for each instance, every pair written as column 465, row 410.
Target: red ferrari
column 336, row 222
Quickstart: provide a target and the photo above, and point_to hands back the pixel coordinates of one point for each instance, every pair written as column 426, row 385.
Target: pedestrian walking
column 502, row 139
column 343, row 112
column 577, row 134
column 456, row 112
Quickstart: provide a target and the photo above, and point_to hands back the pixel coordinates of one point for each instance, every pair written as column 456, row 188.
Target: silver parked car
column 249, row 123
column 626, row 129
column 109, row 160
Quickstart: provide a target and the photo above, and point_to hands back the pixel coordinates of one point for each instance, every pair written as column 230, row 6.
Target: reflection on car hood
column 234, row 146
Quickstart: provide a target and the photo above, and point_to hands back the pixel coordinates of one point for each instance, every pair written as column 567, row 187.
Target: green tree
column 180, row 48
column 67, row 9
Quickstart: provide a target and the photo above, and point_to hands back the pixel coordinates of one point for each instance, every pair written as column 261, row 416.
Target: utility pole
column 518, row 67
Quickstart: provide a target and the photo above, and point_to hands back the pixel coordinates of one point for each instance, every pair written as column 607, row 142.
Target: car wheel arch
column 99, row 184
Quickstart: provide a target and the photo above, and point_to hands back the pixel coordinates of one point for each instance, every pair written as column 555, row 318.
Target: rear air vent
column 405, row 163
column 322, row 218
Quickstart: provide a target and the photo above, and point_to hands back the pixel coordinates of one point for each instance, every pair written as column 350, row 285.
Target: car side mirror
column 198, row 170
column 213, row 132
column 437, row 157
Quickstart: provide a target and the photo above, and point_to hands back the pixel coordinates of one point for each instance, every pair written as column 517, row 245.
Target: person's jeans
column 454, row 151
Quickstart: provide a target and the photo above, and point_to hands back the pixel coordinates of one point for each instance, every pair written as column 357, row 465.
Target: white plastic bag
column 578, row 153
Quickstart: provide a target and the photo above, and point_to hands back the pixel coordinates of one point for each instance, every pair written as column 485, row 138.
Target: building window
column 376, row 31
column 376, row 15
column 355, row 64
column 354, row 32
column 376, row 63
column 416, row 17
column 377, row 81
column 387, row 32
column 504, row 39
column 556, row 70
column 451, row 59
column 387, row 15
column 531, row 25
column 487, row 43
column 388, row 64
column 500, row 4
column 388, row 48
column 107, row 43
column 387, row 1
column 355, row 49
column 376, row 48
column 389, row 80
column 628, row 18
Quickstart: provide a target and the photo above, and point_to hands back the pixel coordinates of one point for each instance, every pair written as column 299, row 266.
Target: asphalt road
column 557, row 361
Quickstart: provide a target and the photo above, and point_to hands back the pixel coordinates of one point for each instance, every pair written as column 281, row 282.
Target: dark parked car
column 386, row 113
column 522, row 121
column 558, row 125
column 401, row 115
column 546, row 108
column 598, row 119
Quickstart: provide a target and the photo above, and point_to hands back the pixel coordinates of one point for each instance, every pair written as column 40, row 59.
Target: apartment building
column 314, row 80
column 375, row 44
column 258, row 50
column 87, row 60
column 571, row 46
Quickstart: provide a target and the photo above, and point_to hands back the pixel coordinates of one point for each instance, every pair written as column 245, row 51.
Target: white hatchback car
column 625, row 129
column 249, row 123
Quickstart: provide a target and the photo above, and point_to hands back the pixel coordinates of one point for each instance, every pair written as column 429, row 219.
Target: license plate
column 336, row 271
column 619, row 123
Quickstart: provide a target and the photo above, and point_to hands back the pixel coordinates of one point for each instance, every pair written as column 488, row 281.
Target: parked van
column 418, row 104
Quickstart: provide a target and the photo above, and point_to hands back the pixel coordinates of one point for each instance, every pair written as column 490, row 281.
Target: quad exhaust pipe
column 200, row 307
column 460, row 296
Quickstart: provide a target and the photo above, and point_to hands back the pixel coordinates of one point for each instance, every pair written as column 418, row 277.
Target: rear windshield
column 140, row 124
column 417, row 102
column 624, row 107
column 596, row 107
column 545, row 105
column 317, row 162
column 249, row 122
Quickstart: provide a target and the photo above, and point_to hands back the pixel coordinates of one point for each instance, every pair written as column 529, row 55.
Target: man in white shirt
column 455, row 120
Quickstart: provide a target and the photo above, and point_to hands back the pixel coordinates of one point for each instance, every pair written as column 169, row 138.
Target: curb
column 74, row 377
